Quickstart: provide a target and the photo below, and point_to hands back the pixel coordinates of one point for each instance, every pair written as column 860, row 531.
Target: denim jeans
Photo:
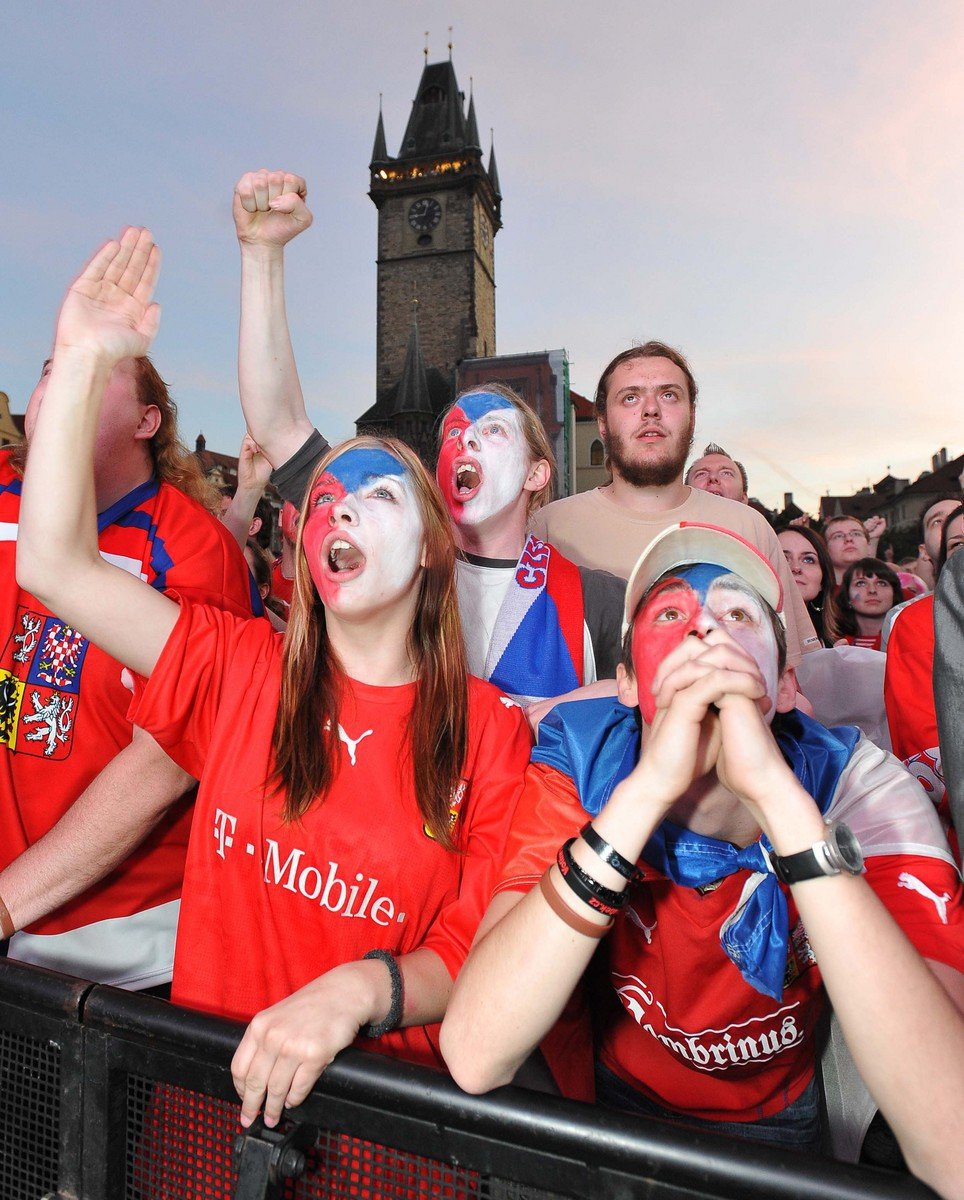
column 796, row 1127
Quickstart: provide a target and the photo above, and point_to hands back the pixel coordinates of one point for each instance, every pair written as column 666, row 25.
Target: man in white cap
column 729, row 843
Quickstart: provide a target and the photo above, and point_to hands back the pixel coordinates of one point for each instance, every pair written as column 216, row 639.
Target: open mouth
column 344, row 559
column 647, row 435
column 467, row 480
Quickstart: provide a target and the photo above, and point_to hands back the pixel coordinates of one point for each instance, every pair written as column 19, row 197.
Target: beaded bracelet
column 567, row 915
column 394, row 1018
column 604, row 900
column 609, row 854
column 7, row 927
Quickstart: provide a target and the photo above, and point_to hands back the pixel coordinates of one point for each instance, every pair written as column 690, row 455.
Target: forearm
column 96, row 834
column 904, row 1031
column 239, row 514
column 271, row 395
column 527, row 960
column 57, row 534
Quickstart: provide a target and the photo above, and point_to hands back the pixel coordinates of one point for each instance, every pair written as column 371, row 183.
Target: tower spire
column 380, row 148
column 472, row 139
column 493, row 169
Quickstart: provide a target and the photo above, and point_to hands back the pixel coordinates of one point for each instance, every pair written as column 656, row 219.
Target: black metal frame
column 517, row 1142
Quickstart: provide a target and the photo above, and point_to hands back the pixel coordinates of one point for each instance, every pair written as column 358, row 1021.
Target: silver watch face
column 844, row 849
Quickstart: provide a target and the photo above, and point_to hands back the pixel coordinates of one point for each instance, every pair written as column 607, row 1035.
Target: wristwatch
column 839, row 851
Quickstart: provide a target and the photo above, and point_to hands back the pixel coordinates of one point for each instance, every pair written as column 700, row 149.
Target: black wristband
column 609, row 854
column 604, row 900
column 394, row 1018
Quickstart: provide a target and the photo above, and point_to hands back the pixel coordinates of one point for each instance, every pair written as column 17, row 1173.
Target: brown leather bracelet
column 7, row 927
column 566, row 914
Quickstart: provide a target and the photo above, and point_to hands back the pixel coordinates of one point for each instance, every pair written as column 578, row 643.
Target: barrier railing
column 107, row 1095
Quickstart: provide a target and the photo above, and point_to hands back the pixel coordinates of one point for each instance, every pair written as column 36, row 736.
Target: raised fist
column 269, row 207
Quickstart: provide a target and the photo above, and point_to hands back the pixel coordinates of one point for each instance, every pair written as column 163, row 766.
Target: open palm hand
column 109, row 307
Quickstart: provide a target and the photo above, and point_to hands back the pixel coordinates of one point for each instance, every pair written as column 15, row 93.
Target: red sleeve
column 924, row 897
column 908, row 683
column 498, row 753
column 548, row 814
column 179, row 704
column 194, row 555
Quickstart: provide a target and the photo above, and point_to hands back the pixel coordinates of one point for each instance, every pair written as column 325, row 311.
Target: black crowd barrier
column 106, row 1095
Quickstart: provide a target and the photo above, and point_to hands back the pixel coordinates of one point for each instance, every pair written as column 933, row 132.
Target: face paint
column 695, row 600
column 484, row 459
column 363, row 534
column 289, row 522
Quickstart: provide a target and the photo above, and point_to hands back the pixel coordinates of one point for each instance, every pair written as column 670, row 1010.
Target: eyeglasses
column 851, row 535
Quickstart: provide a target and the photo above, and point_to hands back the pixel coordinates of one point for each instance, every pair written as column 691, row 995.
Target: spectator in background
column 932, row 520
column 809, row 562
column 909, row 683
column 244, row 509
column 716, row 472
column 949, row 673
column 849, row 539
column 869, row 590
column 259, row 564
column 283, row 572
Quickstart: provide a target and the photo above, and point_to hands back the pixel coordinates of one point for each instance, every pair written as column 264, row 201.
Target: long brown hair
column 305, row 738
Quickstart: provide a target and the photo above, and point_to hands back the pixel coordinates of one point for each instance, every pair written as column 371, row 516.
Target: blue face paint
column 479, row 403
column 355, row 467
column 699, row 576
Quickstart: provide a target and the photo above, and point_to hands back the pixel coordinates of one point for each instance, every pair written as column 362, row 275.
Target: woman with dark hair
column 350, row 769
column 869, row 590
column 809, row 561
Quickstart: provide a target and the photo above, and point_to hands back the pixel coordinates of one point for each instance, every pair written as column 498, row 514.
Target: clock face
column 424, row 214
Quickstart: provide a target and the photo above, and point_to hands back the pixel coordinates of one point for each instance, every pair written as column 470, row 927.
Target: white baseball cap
column 692, row 542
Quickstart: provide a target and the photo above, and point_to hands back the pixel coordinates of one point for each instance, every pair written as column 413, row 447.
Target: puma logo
column 913, row 884
column 352, row 743
column 637, row 920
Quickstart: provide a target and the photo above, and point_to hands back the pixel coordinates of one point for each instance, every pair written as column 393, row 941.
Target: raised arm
column 253, row 472
column 269, row 210
column 107, row 316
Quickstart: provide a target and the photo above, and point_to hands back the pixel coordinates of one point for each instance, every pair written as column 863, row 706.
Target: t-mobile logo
column 224, row 825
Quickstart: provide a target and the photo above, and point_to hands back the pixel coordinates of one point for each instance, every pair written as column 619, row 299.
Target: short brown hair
column 646, row 350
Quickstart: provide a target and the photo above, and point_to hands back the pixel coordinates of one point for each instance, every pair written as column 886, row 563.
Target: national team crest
column 40, row 685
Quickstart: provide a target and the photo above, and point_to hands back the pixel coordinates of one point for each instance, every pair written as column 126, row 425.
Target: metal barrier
column 107, row 1095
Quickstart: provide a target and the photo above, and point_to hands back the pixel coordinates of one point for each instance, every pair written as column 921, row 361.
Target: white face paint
column 363, row 535
column 484, row 459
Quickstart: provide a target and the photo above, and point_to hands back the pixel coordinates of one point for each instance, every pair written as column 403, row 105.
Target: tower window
column 433, row 95
column 596, row 454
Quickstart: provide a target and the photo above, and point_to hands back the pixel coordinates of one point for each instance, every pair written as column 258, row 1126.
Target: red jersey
column 268, row 905
column 909, row 698
column 675, row 1019
column 63, row 717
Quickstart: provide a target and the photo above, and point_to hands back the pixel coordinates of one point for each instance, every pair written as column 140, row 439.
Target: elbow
column 35, row 576
column 471, row 1065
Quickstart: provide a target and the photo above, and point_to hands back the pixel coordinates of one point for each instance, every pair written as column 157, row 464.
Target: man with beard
column 646, row 411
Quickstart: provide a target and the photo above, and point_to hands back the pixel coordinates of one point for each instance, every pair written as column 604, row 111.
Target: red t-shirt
column 909, row 697
column 63, row 707
column 269, row 906
column 675, row 1019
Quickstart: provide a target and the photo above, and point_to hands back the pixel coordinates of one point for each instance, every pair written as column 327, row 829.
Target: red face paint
column 289, row 522
column 672, row 610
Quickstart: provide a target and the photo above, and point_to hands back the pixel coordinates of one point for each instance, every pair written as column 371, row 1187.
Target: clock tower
column 439, row 209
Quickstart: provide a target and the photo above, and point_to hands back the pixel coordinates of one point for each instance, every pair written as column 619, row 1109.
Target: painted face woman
column 356, row 785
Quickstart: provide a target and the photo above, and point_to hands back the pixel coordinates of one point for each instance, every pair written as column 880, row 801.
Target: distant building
column 899, row 501
column 589, row 468
column 439, row 210
column 11, row 425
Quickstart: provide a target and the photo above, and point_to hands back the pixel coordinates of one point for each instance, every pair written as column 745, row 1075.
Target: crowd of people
column 529, row 790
